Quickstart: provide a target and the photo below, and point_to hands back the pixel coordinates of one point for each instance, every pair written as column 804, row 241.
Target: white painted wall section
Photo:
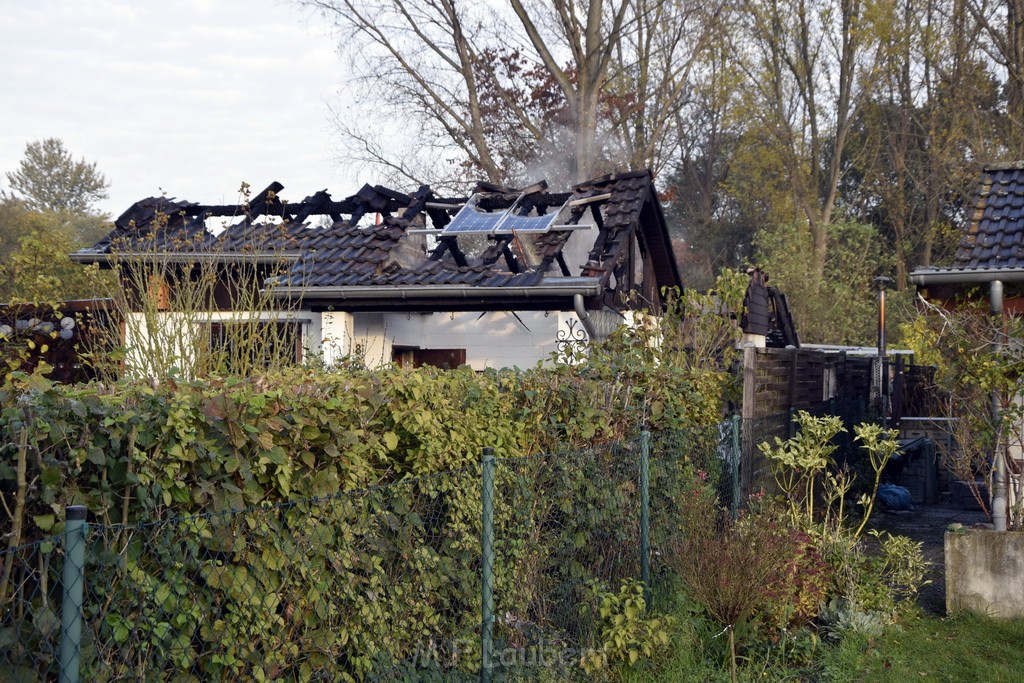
column 335, row 336
column 496, row 339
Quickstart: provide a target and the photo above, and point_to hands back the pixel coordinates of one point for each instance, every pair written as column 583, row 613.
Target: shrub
column 802, row 586
column 728, row 565
column 388, row 554
column 627, row 633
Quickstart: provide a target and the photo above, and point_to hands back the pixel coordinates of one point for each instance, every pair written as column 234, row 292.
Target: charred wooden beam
column 456, row 252
column 265, row 201
column 492, row 253
column 510, row 258
column 560, row 259
column 449, row 244
column 417, row 202
column 319, row 203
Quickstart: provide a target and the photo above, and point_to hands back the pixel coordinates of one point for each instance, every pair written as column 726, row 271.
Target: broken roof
column 381, row 248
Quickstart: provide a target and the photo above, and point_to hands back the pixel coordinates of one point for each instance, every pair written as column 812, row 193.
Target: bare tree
column 1003, row 24
column 590, row 32
column 417, row 56
column 670, row 52
column 602, row 82
column 810, row 66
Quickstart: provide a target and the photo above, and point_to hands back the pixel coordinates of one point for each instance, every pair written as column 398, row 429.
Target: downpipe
column 999, row 493
column 584, row 316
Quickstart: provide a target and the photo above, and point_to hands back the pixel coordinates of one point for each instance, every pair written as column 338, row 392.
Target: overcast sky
column 190, row 97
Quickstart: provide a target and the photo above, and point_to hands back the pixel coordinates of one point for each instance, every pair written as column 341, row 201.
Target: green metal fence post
column 645, row 513
column 791, row 423
column 487, row 573
column 73, row 583
column 735, row 466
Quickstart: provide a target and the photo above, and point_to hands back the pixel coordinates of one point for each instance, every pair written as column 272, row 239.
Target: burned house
column 505, row 277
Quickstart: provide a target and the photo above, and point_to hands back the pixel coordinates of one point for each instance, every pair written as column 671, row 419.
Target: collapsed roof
column 380, row 249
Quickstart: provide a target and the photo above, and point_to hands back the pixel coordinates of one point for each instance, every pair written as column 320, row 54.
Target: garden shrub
column 795, row 598
column 729, row 566
column 858, row 589
column 628, row 634
column 359, row 540
column 875, row 587
column 791, row 561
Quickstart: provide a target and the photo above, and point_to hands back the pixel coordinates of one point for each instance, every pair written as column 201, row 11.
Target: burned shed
column 502, row 277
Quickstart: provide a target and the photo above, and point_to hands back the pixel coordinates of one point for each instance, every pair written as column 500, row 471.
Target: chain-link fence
column 441, row 575
column 347, row 587
column 30, row 607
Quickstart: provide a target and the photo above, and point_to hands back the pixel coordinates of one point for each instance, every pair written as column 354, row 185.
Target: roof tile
column 995, row 232
column 341, row 254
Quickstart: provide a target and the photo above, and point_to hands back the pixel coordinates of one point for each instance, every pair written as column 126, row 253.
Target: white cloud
column 192, row 97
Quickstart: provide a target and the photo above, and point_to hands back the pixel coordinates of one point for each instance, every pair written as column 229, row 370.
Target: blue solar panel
column 527, row 223
column 471, row 220
column 513, row 222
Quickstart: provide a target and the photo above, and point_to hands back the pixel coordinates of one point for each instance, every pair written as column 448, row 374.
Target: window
column 446, row 359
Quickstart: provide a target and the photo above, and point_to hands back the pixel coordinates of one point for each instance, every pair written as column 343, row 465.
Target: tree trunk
column 1015, row 67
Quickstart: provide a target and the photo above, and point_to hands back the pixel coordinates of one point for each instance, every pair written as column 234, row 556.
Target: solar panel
column 513, row 222
column 471, row 220
column 527, row 223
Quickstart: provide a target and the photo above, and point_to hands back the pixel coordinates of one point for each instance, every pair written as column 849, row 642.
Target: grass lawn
column 962, row 648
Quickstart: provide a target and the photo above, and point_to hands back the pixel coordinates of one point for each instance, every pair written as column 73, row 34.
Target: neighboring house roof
column 392, row 264
column 994, row 237
column 992, row 246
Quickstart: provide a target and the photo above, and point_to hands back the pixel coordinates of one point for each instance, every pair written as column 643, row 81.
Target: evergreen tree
column 49, row 179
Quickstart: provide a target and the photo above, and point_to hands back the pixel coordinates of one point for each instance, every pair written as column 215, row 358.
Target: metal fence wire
column 336, row 588
column 467, row 573
column 30, row 597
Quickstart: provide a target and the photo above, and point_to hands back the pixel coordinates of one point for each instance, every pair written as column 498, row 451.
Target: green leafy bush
column 627, row 632
column 861, row 588
column 358, row 539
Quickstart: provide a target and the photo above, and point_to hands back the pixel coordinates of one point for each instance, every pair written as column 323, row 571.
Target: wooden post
column 748, row 412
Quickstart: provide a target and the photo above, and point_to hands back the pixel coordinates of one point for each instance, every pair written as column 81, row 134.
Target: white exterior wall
column 362, row 335
column 495, row 340
column 335, row 336
column 173, row 337
column 149, row 348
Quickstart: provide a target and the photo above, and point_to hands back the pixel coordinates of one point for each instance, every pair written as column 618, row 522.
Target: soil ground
column 928, row 524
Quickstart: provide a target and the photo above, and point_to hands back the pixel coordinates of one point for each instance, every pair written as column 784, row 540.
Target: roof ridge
column 1004, row 166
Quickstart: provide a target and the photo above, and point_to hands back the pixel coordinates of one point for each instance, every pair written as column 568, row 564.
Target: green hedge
column 182, row 448
column 358, row 544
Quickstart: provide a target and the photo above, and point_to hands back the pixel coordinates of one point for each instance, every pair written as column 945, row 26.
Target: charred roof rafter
column 331, row 257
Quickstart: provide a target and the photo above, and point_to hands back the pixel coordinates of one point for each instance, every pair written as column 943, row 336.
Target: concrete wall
column 985, row 573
